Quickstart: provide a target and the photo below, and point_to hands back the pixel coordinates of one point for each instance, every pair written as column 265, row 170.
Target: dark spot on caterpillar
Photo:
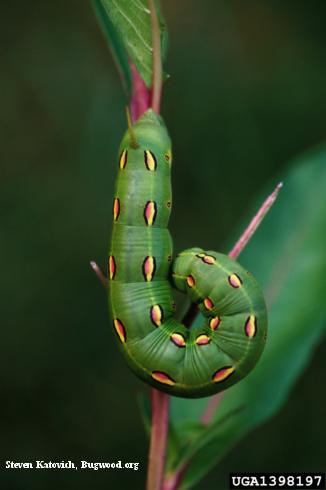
column 150, row 160
column 162, row 378
column 235, row 281
column 173, row 306
column 123, row 159
column 167, row 156
column 149, row 268
column 169, row 258
column 120, row 329
column 150, row 212
column 178, row 339
column 112, row 267
column 156, row 315
column 168, row 204
column 116, row 208
column 223, row 374
column 251, row 326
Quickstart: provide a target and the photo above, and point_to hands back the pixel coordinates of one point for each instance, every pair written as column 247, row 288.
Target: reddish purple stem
column 255, row 222
column 157, row 449
column 140, row 100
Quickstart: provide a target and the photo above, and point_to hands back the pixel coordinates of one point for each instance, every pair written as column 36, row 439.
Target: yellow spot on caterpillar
column 149, row 266
column 214, row 322
column 209, row 259
column 150, row 213
column 191, row 281
column 116, row 208
column 223, row 374
column 156, row 314
column 120, row 329
column 235, row 281
column 202, row 339
column 209, row 305
column 162, row 378
column 123, row 159
column 178, row 339
column 150, row 160
column 112, row 267
column 251, row 326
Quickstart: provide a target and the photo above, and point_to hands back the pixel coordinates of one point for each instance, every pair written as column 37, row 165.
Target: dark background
column 246, row 94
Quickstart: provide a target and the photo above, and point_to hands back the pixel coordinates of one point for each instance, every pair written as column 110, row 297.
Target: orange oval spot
column 214, row 322
column 123, row 159
column 178, row 339
column 209, row 305
column 209, row 259
column 120, row 329
column 116, row 208
column 150, row 213
column 163, row 378
column 223, row 374
column 202, row 339
column 149, row 266
column 251, row 326
column 112, row 267
column 150, row 160
column 156, row 314
column 235, row 281
column 191, row 281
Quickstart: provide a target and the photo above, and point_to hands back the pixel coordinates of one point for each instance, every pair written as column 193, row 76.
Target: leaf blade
column 129, row 25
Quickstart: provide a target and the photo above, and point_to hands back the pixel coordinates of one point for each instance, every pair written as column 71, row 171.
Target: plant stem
column 255, row 222
column 157, row 449
column 140, row 100
column 160, row 401
column 172, row 481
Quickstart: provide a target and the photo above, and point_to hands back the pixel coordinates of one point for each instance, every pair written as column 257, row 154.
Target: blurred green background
column 246, row 94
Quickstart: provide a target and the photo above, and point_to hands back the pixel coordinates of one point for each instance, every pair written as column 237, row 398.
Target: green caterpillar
column 188, row 362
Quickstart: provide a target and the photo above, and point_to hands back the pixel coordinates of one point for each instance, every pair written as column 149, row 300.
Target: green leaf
column 127, row 24
column 287, row 255
column 115, row 42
